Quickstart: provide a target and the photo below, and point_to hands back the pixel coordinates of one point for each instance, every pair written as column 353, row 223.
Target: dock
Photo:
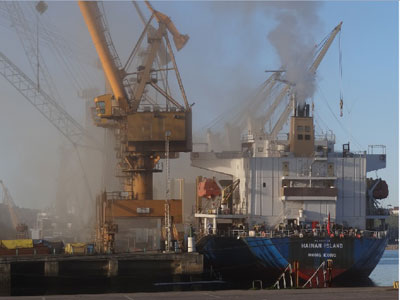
column 53, row 274
column 298, row 294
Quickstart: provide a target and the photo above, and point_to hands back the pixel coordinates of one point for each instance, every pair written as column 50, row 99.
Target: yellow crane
column 140, row 130
column 21, row 228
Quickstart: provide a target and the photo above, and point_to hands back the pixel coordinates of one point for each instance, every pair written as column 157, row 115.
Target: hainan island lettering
column 321, row 245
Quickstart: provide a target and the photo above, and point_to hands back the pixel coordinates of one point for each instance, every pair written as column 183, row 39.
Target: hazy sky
column 222, row 63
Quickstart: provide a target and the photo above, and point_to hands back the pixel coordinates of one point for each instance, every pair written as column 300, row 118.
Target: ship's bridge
column 261, row 145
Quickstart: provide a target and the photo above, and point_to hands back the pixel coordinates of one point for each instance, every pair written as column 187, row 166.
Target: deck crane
column 141, row 129
column 21, row 228
column 313, row 68
column 276, row 85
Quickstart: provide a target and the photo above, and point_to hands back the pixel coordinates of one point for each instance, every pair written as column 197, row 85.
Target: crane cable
column 340, row 76
column 344, row 128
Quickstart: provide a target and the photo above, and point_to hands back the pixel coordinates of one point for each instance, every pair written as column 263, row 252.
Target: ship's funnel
column 180, row 41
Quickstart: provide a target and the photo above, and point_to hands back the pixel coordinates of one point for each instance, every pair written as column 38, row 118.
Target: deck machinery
column 141, row 125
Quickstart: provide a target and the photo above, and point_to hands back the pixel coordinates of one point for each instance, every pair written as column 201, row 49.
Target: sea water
column 387, row 269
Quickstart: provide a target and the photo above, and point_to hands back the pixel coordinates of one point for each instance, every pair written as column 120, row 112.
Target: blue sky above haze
column 222, row 63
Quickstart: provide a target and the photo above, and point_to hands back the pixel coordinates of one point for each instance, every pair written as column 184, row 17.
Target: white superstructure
column 280, row 186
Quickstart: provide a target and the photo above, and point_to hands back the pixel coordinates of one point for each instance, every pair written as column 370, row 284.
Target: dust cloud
column 220, row 66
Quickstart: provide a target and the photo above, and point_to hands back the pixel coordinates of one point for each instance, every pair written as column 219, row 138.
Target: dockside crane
column 26, row 35
column 43, row 97
column 21, row 228
column 44, row 103
column 140, row 129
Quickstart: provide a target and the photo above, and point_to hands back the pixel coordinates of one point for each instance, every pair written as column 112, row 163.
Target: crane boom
column 325, row 48
column 276, row 102
column 313, row 68
column 45, row 104
column 282, row 119
column 95, row 23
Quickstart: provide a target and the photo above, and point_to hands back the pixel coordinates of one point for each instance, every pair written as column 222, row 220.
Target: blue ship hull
column 251, row 258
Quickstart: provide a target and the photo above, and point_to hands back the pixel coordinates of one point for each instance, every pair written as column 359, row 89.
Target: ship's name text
column 322, row 245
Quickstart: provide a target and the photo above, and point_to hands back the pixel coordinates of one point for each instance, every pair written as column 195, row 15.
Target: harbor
column 233, row 161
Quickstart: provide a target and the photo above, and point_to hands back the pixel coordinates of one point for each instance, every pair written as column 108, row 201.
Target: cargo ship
column 304, row 203
column 291, row 201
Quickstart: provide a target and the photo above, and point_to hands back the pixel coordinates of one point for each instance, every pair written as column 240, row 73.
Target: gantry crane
column 140, row 129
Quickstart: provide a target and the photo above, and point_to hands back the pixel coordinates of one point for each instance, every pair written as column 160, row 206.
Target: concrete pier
column 112, row 269
column 52, row 274
column 51, row 268
column 5, row 279
column 381, row 293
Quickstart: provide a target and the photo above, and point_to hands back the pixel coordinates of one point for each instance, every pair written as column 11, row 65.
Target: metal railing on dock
column 282, row 278
column 326, row 269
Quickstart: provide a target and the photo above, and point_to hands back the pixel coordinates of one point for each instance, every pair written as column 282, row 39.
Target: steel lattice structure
column 44, row 103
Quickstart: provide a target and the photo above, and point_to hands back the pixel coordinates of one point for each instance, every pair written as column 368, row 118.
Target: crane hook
column 341, row 107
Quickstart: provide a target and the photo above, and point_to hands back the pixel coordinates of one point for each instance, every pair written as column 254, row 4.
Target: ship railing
column 328, row 136
column 376, row 149
column 375, row 234
column 315, row 233
column 355, row 154
column 238, row 232
column 227, row 233
column 119, row 195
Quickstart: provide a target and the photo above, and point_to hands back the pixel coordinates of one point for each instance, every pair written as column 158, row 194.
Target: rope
column 340, row 75
column 340, row 123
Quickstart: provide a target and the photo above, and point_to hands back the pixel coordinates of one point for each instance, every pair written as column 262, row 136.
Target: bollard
column 329, row 269
column 191, row 244
column 296, row 266
column 396, row 285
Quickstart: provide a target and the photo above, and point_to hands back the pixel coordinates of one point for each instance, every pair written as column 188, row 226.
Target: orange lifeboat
column 208, row 188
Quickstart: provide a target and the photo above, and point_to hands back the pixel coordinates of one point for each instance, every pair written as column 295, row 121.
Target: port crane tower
column 141, row 125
